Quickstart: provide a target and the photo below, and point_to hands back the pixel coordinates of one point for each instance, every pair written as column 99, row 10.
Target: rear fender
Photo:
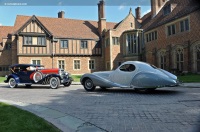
column 151, row 80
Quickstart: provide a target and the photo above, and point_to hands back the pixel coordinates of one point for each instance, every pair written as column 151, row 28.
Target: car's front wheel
column 12, row 83
column 67, row 84
column 88, row 85
column 54, row 82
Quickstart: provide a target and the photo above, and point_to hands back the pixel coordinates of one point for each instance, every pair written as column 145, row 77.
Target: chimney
column 138, row 13
column 156, row 5
column 101, row 16
column 61, row 14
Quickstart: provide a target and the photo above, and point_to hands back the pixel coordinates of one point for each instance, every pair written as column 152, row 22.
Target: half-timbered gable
column 33, row 38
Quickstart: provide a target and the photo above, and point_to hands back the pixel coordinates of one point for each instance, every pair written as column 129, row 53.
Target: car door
column 124, row 74
column 24, row 77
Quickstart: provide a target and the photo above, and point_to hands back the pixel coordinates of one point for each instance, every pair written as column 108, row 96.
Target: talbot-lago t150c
column 130, row 74
column 29, row 74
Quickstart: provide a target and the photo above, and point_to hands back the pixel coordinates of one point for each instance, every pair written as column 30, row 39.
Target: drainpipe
column 53, row 52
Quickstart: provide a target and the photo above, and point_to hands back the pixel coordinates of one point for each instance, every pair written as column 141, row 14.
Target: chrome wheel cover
column 12, row 82
column 53, row 82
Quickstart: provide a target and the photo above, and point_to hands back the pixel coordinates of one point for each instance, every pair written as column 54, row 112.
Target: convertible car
column 130, row 74
column 29, row 74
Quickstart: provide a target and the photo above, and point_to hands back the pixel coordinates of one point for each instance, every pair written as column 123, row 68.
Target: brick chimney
column 138, row 13
column 61, row 14
column 101, row 16
column 156, row 5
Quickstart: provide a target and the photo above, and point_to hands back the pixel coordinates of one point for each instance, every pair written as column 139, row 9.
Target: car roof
column 26, row 65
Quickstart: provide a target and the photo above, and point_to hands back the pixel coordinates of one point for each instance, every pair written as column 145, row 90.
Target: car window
column 127, row 67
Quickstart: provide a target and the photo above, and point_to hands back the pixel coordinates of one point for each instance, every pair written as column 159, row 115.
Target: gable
column 33, row 25
column 130, row 22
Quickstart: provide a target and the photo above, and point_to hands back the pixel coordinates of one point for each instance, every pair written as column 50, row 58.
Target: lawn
column 189, row 78
column 13, row 119
column 2, row 79
column 76, row 78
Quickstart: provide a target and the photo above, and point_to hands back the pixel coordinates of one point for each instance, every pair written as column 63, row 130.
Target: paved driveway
column 118, row 110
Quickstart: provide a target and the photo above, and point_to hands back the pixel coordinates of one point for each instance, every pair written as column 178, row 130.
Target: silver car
column 130, row 74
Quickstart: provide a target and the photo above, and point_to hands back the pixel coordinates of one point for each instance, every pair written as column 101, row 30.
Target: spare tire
column 37, row 76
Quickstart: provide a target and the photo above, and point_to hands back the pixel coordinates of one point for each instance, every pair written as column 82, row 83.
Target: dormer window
column 167, row 9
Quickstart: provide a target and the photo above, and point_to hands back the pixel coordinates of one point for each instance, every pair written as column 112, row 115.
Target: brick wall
column 184, row 39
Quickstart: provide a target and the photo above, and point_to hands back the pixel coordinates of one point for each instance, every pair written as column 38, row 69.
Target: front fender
column 99, row 81
column 12, row 76
column 48, row 77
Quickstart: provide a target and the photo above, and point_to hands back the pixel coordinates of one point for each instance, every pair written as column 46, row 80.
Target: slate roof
column 182, row 8
column 66, row 28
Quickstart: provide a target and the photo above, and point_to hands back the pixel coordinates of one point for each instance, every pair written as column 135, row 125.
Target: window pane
column 169, row 30
column 173, row 29
column 155, row 34
column 182, row 26
column 113, row 40
column 186, row 24
column 147, row 38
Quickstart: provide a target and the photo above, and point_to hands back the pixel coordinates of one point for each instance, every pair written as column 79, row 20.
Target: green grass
column 2, row 79
column 13, row 119
column 189, row 78
column 76, row 78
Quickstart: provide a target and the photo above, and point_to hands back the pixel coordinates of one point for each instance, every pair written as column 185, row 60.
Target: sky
column 115, row 10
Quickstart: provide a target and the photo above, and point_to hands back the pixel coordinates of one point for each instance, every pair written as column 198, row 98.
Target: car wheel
column 88, row 85
column 12, row 83
column 67, row 84
column 54, row 82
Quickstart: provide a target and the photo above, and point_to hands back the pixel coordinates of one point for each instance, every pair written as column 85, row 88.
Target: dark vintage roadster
column 29, row 74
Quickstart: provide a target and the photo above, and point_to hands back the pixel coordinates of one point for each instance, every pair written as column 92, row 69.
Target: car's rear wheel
column 12, row 83
column 54, row 82
column 88, row 85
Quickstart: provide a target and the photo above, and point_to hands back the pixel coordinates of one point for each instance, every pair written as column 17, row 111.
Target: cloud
column 122, row 6
column 60, row 3
column 147, row 11
column 0, row 24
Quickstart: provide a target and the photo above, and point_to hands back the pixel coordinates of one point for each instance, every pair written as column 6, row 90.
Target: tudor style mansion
column 167, row 37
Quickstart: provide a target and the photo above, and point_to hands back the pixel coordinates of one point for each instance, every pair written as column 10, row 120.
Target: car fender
column 151, row 80
column 49, row 76
column 12, row 76
column 99, row 81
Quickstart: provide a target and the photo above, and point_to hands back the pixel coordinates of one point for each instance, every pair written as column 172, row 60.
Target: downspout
column 111, row 61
